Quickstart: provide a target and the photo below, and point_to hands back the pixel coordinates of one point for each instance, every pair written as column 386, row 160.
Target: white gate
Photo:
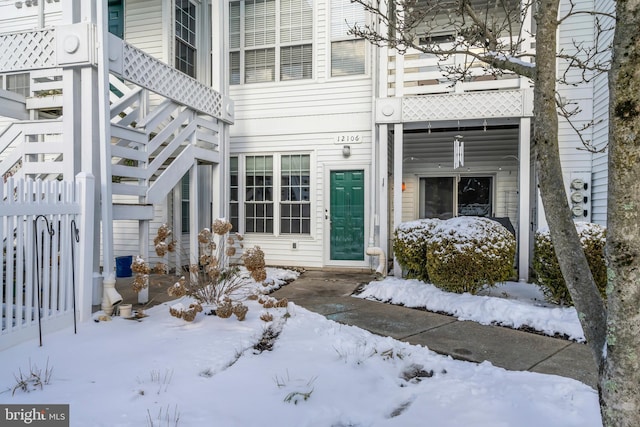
column 39, row 250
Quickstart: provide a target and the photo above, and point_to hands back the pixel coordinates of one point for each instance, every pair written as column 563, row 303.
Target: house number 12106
column 348, row 138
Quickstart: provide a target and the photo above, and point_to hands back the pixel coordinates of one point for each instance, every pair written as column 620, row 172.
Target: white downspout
column 382, row 259
column 110, row 296
column 373, row 250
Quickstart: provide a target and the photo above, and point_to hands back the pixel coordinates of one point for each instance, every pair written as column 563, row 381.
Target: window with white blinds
column 347, row 53
column 259, row 23
column 270, row 40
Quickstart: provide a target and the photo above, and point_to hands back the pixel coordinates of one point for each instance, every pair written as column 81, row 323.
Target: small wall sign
column 348, row 138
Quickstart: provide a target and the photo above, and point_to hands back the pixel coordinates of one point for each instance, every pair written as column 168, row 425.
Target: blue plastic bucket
column 123, row 266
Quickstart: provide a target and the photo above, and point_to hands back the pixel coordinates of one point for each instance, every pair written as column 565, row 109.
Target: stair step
column 44, row 102
column 128, row 134
column 132, row 212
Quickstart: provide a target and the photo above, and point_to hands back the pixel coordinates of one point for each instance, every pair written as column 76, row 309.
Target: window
column 185, row 214
column 347, row 53
column 258, row 206
column 448, row 196
column 19, row 83
column 295, row 203
column 234, row 213
column 271, row 194
column 185, row 47
column 260, row 52
column 474, row 196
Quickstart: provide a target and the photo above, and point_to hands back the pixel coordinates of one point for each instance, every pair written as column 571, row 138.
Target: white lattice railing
column 143, row 70
column 467, row 105
column 29, row 50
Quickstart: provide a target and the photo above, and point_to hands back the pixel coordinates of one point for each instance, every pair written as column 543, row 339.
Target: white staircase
column 151, row 148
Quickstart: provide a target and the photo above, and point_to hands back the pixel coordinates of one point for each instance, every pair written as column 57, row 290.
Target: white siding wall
column 324, row 154
column 575, row 159
column 601, row 129
column 13, row 19
column 305, row 116
column 145, row 29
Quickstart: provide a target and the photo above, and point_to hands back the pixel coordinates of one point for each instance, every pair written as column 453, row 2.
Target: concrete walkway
column 329, row 294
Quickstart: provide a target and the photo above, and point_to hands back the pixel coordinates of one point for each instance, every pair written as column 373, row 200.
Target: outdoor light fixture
column 404, row 186
column 458, row 152
column 346, row 150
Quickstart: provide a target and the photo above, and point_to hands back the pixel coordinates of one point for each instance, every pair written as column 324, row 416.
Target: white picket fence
column 39, row 256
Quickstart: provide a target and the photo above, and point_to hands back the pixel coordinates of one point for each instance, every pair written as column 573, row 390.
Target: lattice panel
column 148, row 72
column 27, row 51
column 459, row 106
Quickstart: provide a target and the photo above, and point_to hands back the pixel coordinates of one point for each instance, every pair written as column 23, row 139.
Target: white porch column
column 104, row 126
column 177, row 227
column 397, row 185
column 220, row 82
column 524, row 188
column 143, row 236
column 86, row 246
column 194, row 219
column 382, row 188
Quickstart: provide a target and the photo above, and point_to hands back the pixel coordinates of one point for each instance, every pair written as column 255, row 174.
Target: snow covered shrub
column 547, row 269
column 410, row 247
column 466, row 253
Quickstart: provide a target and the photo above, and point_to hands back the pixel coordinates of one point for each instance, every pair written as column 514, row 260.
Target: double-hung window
column 295, row 203
column 347, row 52
column 185, row 39
column 234, row 193
column 261, row 204
column 270, row 40
column 258, row 204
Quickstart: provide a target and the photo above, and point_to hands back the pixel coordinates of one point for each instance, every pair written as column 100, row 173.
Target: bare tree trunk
column 573, row 263
column 620, row 378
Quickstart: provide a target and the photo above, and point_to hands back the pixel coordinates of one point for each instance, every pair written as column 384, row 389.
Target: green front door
column 347, row 215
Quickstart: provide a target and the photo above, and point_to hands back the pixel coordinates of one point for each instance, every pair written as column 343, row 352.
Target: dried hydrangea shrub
column 139, row 266
column 160, row 268
column 240, row 310
column 225, row 310
column 140, row 282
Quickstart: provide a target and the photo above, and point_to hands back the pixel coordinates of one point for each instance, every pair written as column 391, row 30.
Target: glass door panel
column 474, row 196
column 438, row 197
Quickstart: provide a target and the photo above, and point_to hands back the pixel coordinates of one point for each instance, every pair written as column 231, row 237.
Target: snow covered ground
column 164, row 371
column 510, row 304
